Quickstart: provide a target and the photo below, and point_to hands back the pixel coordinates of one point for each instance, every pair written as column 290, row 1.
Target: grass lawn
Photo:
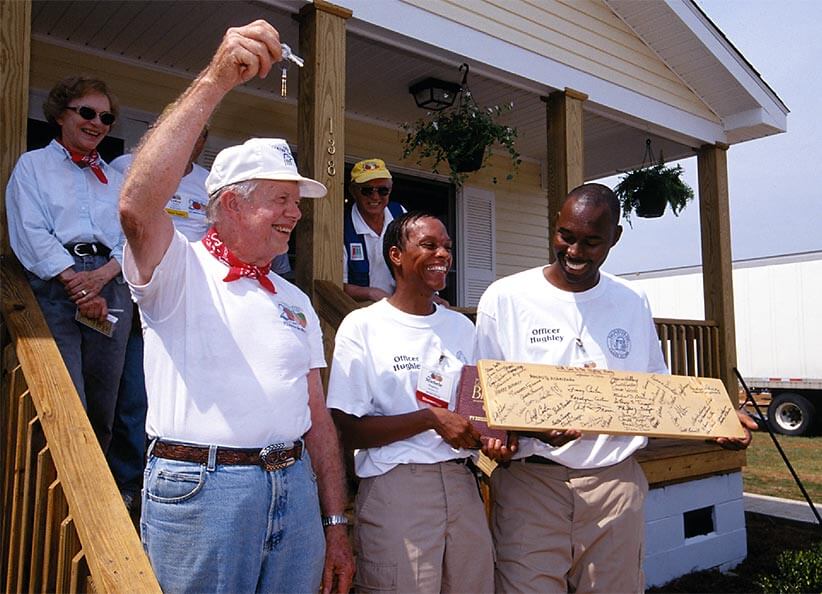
column 767, row 474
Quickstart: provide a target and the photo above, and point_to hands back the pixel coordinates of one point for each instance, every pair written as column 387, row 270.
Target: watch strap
column 334, row 520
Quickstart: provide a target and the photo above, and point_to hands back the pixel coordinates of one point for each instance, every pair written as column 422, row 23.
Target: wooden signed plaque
column 531, row 397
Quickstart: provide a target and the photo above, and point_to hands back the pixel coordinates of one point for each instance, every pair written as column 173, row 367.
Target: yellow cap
column 369, row 169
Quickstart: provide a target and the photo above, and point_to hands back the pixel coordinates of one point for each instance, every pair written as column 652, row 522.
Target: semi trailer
column 778, row 311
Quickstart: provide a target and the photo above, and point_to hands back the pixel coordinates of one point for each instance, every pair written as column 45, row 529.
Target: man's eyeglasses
column 106, row 117
column 368, row 190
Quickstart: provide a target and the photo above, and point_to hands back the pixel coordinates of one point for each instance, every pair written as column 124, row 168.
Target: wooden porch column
column 717, row 270
column 320, row 138
column 565, row 149
column 15, row 46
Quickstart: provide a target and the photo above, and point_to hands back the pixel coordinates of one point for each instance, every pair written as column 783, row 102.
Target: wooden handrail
column 64, row 525
column 332, row 303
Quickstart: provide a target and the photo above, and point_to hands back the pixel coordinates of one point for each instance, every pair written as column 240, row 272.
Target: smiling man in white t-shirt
column 568, row 511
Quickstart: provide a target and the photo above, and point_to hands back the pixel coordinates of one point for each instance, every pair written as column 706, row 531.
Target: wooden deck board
column 667, row 461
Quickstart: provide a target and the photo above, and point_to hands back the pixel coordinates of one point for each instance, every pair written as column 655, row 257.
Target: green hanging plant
column 460, row 136
column 648, row 190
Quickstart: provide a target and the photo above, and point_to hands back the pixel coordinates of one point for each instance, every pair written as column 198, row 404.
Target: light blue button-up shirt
column 52, row 202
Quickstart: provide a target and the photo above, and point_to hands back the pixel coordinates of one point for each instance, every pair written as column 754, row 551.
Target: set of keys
column 288, row 56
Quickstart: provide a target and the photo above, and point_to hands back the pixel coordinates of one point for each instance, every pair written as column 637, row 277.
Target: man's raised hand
column 244, row 53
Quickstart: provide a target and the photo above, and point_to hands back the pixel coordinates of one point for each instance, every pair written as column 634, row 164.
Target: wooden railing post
column 321, row 151
column 321, row 140
column 717, row 267
column 15, row 44
column 565, row 150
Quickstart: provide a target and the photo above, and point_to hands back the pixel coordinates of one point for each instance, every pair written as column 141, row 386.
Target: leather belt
column 88, row 249
column 540, row 460
column 462, row 461
column 272, row 457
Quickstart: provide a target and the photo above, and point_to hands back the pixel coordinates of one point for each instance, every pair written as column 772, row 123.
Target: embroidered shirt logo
column 619, row 343
column 286, row 154
column 357, row 253
column 293, row 316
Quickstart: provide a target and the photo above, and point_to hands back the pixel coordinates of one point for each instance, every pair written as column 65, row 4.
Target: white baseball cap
column 259, row 158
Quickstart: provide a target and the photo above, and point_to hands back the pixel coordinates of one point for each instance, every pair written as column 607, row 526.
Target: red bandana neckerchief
column 91, row 160
column 236, row 267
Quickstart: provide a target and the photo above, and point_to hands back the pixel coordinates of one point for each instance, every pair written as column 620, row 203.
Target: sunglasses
column 106, row 117
column 368, row 190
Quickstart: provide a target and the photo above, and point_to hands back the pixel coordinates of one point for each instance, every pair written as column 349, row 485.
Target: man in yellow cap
column 365, row 274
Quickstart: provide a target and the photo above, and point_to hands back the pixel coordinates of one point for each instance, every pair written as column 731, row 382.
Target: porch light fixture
column 434, row 94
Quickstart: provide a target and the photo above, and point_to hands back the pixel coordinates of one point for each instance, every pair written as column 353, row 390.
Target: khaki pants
column 562, row 530
column 422, row 528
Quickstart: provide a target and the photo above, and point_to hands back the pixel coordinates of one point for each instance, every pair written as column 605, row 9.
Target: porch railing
column 690, row 347
column 64, row 525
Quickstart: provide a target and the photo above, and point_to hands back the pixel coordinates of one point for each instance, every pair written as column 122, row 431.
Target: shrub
column 797, row 571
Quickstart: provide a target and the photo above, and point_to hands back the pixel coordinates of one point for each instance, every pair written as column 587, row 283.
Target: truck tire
column 791, row 414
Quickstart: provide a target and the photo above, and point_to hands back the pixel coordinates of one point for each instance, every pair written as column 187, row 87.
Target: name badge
column 175, row 207
column 357, row 253
column 435, row 386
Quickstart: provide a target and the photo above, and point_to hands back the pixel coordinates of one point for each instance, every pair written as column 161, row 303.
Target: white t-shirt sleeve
column 486, row 343
column 486, row 336
column 656, row 363
column 161, row 295
column 348, row 389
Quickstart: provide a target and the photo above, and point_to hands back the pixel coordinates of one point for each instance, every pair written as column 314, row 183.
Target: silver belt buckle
column 78, row 252
column 276, row 456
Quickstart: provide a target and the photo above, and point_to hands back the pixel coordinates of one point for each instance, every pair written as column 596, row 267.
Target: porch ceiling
column 180, row 36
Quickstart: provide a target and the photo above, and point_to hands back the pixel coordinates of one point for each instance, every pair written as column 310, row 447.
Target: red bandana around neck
column 91, row 160
column 236, row 267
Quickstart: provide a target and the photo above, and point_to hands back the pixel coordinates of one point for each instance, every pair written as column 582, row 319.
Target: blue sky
column 775, row 183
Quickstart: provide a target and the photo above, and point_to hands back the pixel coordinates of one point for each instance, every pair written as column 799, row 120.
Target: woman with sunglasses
column 65, row 230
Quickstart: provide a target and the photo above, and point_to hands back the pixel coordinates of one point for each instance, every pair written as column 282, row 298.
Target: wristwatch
column 334, row 520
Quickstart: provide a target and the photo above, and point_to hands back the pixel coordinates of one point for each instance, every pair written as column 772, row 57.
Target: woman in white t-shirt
column 420, row 522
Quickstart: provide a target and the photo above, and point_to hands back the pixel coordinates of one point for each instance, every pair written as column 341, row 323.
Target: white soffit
column 707, row 62
column 542, row 74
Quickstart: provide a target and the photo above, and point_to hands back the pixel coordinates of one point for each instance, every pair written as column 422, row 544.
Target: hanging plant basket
column 460, row 136
column 647, row 191
column 468, row 163
column 649, row 198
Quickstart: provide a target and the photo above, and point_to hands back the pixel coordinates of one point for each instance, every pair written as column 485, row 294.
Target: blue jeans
column 127, row 453
column 94, row 361
column 220, row 528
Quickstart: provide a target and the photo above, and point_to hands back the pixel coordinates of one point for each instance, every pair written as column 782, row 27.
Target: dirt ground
column 767, row 537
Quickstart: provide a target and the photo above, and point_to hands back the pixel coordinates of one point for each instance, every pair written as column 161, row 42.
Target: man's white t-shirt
column 378, row 353
column 187, row 206
column 524, row 318
column 226, row 363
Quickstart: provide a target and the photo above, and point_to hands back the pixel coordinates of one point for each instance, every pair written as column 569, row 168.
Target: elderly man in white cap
column 236, row 406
